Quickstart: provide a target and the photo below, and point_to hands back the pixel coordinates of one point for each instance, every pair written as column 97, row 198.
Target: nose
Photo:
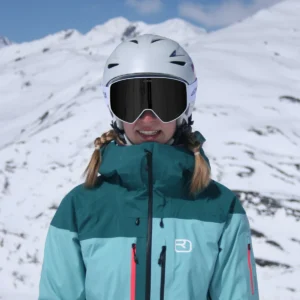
column 148, row 115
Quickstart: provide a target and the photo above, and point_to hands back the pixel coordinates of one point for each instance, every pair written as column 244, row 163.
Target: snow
column 248, row 106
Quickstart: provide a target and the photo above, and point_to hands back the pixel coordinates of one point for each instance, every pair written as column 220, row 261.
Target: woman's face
column 148, row 128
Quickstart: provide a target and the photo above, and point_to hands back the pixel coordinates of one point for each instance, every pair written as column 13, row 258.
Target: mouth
column 149, row 135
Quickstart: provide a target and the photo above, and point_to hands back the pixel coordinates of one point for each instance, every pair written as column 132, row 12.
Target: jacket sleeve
column 234, row 276
column 63, row 270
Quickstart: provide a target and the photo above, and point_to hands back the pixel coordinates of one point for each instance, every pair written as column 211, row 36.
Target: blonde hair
column 201, row 176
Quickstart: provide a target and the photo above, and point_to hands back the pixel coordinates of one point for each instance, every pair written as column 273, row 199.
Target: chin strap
column 177, row 139
column 118, row 131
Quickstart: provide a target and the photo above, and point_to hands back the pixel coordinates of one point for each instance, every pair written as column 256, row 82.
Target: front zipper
column 250, row 269
column 162, row 263
column 149, row 233
column 133, row 272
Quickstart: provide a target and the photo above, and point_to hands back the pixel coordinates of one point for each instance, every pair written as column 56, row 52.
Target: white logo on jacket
column 182, row 245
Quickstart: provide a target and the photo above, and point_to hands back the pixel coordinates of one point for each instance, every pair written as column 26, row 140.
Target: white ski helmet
column 151, row 55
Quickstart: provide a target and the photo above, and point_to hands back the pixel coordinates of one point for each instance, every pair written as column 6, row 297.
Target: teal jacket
column 140, row 235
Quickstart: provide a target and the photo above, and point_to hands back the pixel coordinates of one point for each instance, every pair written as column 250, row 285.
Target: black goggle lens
column 166, row 97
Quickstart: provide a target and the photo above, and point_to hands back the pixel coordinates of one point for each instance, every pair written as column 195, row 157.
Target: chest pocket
column 191, row 252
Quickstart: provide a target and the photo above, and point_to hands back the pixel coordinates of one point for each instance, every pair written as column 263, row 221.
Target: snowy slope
column 51, row 110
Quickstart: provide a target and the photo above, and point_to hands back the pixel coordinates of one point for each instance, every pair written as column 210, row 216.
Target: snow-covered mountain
column 4, row 41
column 51, row 110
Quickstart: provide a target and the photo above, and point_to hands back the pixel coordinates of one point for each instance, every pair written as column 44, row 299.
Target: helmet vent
column 134, row 41
column 112, row 66
column 180, row 63
column 156, row 40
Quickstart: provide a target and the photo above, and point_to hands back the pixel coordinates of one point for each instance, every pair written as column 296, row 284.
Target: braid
column 92, row 169
column 201, row 175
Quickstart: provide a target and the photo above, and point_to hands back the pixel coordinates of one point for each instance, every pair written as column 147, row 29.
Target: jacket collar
column 127, row 166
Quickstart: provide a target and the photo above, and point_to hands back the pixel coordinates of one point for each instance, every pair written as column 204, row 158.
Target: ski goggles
column 167, row 98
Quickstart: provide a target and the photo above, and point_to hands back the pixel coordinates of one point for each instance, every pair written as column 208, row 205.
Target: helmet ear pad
column 120, row 124
column 185, row 116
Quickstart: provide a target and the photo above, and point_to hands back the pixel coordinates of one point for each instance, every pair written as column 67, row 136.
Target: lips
column 149, row 135
column 153, row 132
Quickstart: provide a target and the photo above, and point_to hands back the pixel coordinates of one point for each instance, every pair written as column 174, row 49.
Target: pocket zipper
column 133, row 272
column 162, row 263
column 250, row 269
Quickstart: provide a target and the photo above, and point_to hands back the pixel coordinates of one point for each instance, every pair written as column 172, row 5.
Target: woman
column 154, row 225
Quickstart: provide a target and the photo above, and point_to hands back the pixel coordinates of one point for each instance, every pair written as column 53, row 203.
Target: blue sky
column 25, row 20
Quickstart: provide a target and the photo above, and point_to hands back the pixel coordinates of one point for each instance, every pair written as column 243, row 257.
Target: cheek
column 170, row 128
column 128, row 128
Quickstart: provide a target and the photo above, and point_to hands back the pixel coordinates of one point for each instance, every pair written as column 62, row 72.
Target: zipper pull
column 161, row 223
column 134, row 253
column 162, row 255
